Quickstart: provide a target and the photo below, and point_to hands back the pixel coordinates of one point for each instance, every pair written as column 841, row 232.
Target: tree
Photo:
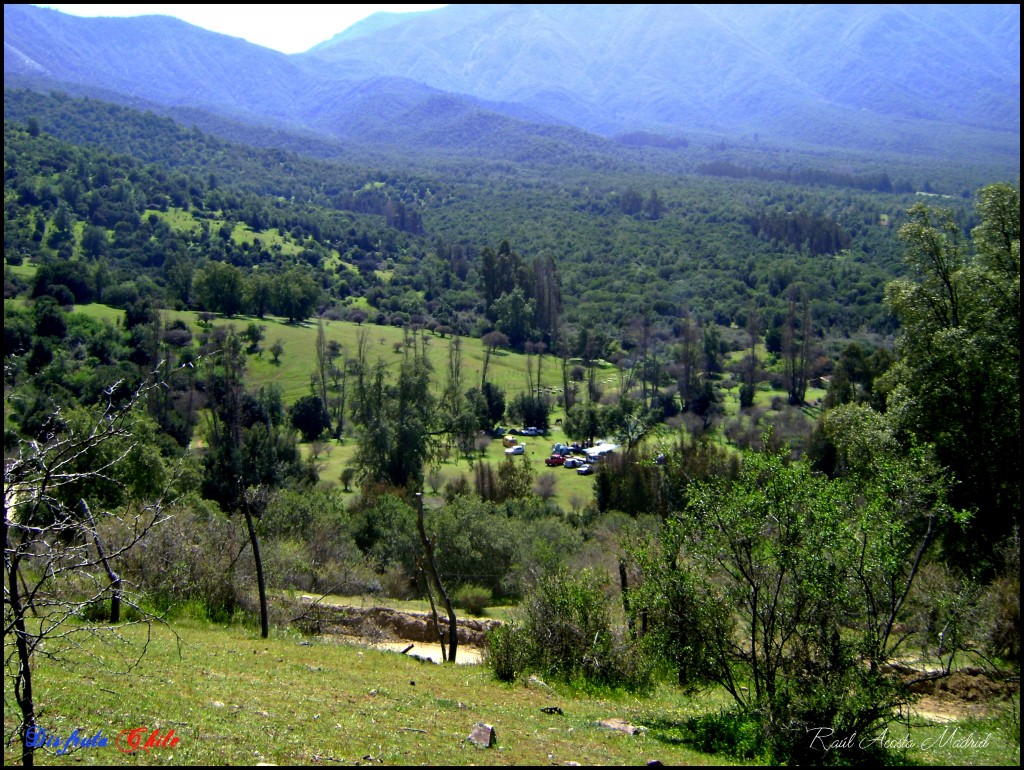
column 295, row 294
column 687, row 358
column 309, row 417
column 259, row 294
column 629, row 421
column 532, row 409
column 793, row 591
column 854, row 376
column 276, row 350
column 515, row 479
column 488, row 404
column 95, row 242
column 57, row 560
column 249, row 451
column 492, row 341
column 397, row 431
column 321, row 374
column 459, row 417
column 749, row 386
column 653, row 207
column 957, row 381
column 582, row 422
column 254, row 333
column 545, row 486
column 796, row 340
column 449, row 654
column 514, row 316
column 219, row 287
column 547, row 293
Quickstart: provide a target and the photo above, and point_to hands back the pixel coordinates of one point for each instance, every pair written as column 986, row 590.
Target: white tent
column 598, row 451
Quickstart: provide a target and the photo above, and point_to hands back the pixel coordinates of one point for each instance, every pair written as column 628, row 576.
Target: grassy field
column 386, row 343
column 571, row 490
column 506, row 369
column 232, row 698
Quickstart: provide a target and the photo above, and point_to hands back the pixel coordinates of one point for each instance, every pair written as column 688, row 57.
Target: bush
column 731, row 731
column 566, row 632
column 784, row 587
column 189, row 559
column 472, row 598
column 506, row 656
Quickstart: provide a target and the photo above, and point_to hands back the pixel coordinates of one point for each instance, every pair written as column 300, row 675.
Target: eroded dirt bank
column 382, row 624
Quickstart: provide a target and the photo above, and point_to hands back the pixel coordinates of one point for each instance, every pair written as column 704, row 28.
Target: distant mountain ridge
column 854, row 76
column 645, row 65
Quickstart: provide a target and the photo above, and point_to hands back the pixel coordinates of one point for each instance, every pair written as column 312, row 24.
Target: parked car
column 572, row 462
column 585, row 470
column 531, row 431
column 518, row 449
column 554, row 460
column 509, row 441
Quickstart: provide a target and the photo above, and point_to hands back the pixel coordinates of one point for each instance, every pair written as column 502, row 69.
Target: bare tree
column 56, row 563
column 448, row 655
column 492, row 341
column 545, row 486
column 254, row 502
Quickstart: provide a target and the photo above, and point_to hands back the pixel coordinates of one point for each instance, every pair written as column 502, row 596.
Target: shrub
column 566, row 632
column 786, row 588
column 472, row 598
column 730, row 731
column 189, row 559
column 506, row 656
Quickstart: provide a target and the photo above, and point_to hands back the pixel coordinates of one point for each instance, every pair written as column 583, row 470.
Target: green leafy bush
column 472, row 598
column 506, row 656
column 792, row 591
column 566, row 631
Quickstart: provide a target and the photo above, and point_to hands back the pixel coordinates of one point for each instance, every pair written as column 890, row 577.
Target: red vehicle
column 555, row 460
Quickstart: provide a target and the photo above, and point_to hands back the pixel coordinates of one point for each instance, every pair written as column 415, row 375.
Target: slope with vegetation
column 809, row 493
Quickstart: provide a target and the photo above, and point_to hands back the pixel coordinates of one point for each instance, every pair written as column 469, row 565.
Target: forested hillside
column 628, row 243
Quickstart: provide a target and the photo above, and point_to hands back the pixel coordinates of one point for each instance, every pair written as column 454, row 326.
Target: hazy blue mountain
column 158, row 59
column 909, row 78
column 778, row 69
column 152, row 57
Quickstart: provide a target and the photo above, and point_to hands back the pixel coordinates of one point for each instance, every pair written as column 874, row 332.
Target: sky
column 285, row 28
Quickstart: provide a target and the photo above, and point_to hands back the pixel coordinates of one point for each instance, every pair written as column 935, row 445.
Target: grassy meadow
column 233, row 698
column 506, row 369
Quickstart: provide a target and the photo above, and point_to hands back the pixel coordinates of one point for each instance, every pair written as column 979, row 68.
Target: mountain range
column 926, row 79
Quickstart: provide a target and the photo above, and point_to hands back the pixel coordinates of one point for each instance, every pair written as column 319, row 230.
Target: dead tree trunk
column 453, row 630
column 23, row 679
column 247, row 504
column 115, row 579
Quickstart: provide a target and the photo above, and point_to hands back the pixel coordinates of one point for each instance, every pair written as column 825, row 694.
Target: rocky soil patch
column 965, row 694
column 382, row 624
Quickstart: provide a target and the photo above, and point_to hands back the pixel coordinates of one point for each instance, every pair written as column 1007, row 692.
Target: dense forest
column 813, row 371
column 411, row 243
